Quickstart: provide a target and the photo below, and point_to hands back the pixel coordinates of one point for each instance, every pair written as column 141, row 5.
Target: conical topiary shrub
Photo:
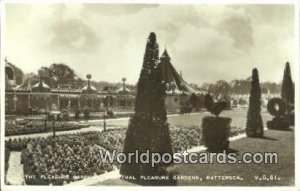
column 148, row 127
column 287, row 88
column 254, row 125
column 288, row 94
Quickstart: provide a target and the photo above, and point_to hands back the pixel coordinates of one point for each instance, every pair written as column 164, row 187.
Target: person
column 77, row 113
column 86, row 113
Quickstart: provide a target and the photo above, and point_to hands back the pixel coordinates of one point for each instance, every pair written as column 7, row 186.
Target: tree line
column 222, row 89
column 59, row 74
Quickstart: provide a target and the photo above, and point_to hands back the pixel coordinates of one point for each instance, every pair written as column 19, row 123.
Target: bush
column 110, row 113
column 290, row 117
column 287, row 87
column 282, row 120
column 278, row 123
column 182, row 138
column 148, row 128
column 70, row 157
column 254, row 125
column 216, row 131
column 214, row 108
column 272, row 107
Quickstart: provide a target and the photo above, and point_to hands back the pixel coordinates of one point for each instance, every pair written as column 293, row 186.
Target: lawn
column 281, row 142
column 238, row 116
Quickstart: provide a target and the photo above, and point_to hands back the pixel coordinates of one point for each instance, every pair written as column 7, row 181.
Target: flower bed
column 73, row 156
column 13, row 127
column 61, row 160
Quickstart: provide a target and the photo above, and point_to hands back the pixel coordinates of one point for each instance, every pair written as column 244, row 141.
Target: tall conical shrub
column 254, row 126
column 148, row 127
column 287, row 88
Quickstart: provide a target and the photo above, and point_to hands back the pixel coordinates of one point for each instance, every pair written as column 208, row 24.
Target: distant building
column 243, row 99
column 178, row 90
column 39, row 97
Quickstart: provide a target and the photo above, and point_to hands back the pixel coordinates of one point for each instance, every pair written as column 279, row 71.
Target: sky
column 205, row 42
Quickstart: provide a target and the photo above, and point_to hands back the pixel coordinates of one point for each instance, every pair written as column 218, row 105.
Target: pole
column 46, row 117
column 53, row 127
column 104, row 122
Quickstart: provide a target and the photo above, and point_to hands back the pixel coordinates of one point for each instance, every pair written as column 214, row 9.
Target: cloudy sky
column 205, row 42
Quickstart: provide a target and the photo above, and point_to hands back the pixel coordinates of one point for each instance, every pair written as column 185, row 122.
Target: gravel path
column 15, row 174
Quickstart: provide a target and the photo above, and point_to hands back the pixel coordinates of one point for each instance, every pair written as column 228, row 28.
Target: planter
column 290, row 118
column 216, row 131
column 278, row 123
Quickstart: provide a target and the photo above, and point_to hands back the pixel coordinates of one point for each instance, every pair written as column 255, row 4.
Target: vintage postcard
column 140, row 94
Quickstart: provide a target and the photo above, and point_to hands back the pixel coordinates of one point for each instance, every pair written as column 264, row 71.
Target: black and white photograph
column 101, row 94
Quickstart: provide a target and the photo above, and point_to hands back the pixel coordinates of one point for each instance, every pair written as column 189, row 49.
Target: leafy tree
column 287, row 88
column 30, row 79
column 62, row 73
column 254, row 125
column 270, row 87
column 148, row 127
column 57, row 74
column 222, row 89
column 18, row 73
column 240, row 86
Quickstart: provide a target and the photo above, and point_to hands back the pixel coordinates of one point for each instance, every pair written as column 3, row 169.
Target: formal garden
column 70, row 157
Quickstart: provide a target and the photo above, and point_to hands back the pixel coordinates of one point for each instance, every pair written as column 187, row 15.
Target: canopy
column 174, row 81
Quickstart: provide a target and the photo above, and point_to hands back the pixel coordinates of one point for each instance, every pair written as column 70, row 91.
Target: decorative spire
column 124, row 85
column 89, row 76
column 165, row 57
column 165, row 54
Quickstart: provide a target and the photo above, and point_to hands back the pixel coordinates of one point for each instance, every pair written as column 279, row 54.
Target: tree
column 240, row 86
column 57, row 74
column 30, row 79
column 148, row 128
column 222, row 89
column 17, row 73
column 254, row 125
column 287, row 88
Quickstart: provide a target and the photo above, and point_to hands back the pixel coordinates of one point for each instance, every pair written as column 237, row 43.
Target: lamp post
column 104, row 117
column 15, row 99
column 54, row 116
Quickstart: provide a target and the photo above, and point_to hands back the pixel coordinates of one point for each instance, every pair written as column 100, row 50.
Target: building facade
column 40, row 98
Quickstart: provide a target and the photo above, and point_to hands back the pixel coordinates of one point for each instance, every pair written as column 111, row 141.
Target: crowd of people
column 19, row 127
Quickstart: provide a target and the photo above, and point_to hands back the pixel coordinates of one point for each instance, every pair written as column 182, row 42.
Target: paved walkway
column 15, row 174
column 96, row 125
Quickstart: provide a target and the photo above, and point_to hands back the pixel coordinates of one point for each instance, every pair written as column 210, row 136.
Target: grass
column 281, row 142
column 238, row 119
